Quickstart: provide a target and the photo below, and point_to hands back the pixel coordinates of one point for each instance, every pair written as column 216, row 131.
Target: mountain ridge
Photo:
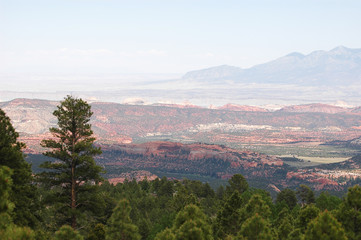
column 336, row 67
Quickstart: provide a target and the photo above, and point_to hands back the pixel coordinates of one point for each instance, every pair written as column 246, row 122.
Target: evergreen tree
column 237, row 183
column 8, row 230
column 22, row 192
column 191, row 224
column 349, row 213
column 228, row 218
column 14, row 232
column 306, row 195
column 306, row 215
column 5, row 205
column 325, row 227
column 296, row 234
column 284, row 229
column 166, row 234
column 256, row 228
column 68, row 233
column 97, row 233
column 120, row 225
column 327, row 202
column 284, row 214
column 255, row 206
column 288, row 196
column 74, row 172
column 284, row 223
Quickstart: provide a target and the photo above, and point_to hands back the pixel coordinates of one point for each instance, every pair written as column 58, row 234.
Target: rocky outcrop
column 129, row 176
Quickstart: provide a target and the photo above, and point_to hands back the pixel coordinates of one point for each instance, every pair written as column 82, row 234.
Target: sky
column 169, row 37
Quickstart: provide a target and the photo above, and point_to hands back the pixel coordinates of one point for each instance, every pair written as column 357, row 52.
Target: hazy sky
column 166, row 36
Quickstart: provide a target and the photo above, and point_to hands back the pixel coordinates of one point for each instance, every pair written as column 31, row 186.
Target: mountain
column 338, row 67
column 315, row 107
column 224, row 72
column 31, row 116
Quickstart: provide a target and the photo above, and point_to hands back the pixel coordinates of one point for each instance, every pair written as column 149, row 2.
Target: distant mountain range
column 321, row 76
column 337, row 67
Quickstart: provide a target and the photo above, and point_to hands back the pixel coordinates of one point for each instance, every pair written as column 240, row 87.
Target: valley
column 284, row 147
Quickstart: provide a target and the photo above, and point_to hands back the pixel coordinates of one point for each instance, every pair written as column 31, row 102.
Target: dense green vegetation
column 43, row 207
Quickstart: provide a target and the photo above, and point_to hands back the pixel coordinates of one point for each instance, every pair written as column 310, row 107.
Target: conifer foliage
column 22, row 192
column 326, row 227
column 74, row 170
column 190, row 224
column 120, row 225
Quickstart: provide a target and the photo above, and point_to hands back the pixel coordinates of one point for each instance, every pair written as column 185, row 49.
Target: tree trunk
column 73, row 180
column 73, row 197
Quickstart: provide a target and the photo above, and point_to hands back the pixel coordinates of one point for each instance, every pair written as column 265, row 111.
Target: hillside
column 231, row 124
column 220, row 162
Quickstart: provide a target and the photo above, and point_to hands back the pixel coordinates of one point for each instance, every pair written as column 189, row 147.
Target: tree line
column 71, row 200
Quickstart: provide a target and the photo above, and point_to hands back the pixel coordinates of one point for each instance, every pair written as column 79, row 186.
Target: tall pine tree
column 74, row 172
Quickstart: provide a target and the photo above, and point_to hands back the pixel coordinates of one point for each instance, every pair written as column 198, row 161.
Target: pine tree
column 327, row 201
column 166, row 234
column 22, row 192
column 97, row 233
column 237, row 183
column 228, row 218
column 349, row 213
column 306, row 195
column 120, row 225
column 8, row 230
column 288, row 196
column 284, row 223
column 74, row 172
column 191, row 224
column 325, row 227
column 5, row 205
column 67, row 232
column 284, row 229
column 256, row 228
column 306, row 215
column 255, row 206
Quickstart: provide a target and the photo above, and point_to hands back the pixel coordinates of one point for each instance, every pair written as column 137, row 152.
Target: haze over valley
column 331, row 77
